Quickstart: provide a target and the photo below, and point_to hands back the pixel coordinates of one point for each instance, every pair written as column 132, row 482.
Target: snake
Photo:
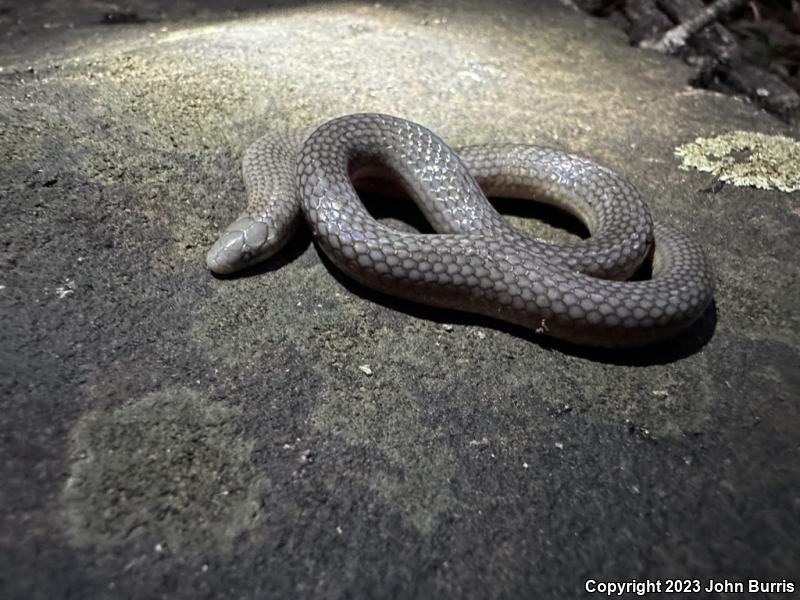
column 584, row 292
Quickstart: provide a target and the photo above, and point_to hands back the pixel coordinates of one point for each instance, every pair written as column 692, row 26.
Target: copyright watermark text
column 687, row 586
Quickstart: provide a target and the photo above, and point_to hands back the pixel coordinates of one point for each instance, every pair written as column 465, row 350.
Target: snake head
column 243, row 243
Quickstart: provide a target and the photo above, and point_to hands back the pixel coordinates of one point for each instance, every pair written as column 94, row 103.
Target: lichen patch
column 746, row 158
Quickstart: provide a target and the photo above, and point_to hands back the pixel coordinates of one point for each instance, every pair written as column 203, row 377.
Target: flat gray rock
column 289, row 433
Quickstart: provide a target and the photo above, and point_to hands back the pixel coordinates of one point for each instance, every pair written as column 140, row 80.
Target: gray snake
column 475, row 261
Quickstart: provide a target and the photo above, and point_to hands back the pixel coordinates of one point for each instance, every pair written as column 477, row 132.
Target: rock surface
column 289, row 433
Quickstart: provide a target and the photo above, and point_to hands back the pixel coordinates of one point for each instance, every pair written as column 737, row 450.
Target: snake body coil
column 476, row 261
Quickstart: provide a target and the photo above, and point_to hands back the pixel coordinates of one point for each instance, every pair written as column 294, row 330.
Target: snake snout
column 238, row 246
column 225, row 256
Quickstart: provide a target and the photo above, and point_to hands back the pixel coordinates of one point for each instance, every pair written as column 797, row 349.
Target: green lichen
column 746, row 158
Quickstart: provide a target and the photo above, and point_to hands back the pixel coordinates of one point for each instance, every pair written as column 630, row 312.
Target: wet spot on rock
column 163, row 472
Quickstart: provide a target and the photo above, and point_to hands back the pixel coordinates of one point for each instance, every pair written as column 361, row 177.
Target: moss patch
column 746, row 158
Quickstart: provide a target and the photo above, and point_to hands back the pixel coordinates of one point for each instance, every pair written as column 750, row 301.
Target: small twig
column 754, row 9
column 676, row 37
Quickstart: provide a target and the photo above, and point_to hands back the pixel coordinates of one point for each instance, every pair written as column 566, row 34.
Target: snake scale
column 476, row 261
